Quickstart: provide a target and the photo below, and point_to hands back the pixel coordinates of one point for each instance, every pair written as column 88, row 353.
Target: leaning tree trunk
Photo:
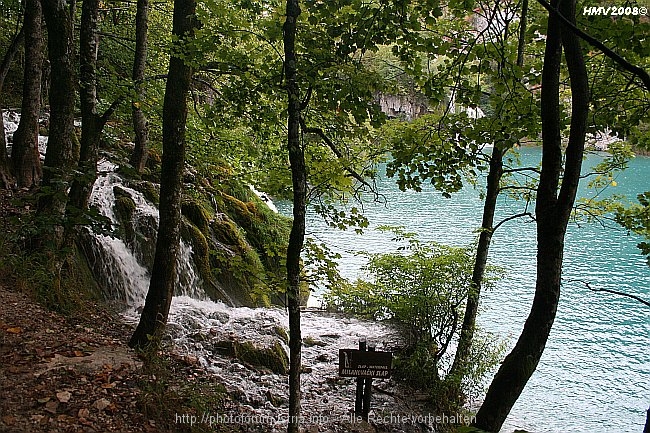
column 552, row 212
column 297, row 236
column 62, row 146
column 163, row 277
column 90, row 128
column 495, row 174
column 139, row 155
column 6, row 180
column 25, row 158
column 480, row 264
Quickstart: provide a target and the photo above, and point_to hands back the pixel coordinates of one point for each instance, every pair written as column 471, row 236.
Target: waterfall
column 121, row 266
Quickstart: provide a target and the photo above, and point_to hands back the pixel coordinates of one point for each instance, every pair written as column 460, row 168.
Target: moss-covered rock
column 274, row 357
column 124, row 208
column 238, row 243
column 265, row 230
column 150, row 190
column 282, row 333
column 197, row 214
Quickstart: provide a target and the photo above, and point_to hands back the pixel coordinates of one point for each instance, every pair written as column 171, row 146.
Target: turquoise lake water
column 595, row 372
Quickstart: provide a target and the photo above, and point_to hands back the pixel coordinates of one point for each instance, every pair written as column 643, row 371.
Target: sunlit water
column 595, row 372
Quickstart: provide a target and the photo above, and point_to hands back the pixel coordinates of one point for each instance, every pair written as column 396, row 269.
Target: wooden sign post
column 365, row 364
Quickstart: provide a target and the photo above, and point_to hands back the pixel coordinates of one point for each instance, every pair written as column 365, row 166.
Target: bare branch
column 519, row 169
column 512, row 217
column 319, row 132
column 614, row 292
column 108, row 113
column 517, row 187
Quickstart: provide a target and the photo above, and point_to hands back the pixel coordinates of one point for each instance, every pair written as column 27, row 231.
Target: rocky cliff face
column 407, row 107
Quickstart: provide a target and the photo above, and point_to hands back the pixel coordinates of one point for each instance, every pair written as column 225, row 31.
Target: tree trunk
column 140, row 152
column 6, row 180
column 91, row 124
column 25, row 158
column 523, row 22
column 297, row 236
column 552, row 212
column 62, row 146
column 163, row 277
column 480, row 263
column 485, row 238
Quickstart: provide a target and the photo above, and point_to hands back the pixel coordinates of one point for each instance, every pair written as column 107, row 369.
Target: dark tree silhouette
column 25, row 158
column 553, row 210
column 139, row 155
column 297, row 236
column 163, row 277
column 6, row 180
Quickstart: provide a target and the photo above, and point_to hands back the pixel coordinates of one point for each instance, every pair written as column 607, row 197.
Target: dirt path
column 62, row 375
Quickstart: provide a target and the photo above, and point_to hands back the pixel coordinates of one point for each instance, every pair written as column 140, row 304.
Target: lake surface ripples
column 595, row 372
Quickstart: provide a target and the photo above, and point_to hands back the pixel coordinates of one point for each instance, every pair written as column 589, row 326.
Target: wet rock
column 336, row 336
column 324, row 357
column 274, row 357
column 311, row 341
column 275, row 400
column 198, row 336
column 219, row 316
column 282, row 333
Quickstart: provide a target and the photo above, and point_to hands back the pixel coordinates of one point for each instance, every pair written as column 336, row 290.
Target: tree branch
column 334, row 149
column 108, row 113
column 519, row 169
column 305, row 101
column 10, row 54
column 639, row 72
column 512, row 217
column 614, row 292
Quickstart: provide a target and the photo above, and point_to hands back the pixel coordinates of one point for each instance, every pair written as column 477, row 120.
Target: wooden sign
column 371, row 364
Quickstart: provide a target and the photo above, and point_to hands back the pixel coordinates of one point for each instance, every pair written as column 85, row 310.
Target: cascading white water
column 11, row 120
column 122, row 270
column 196, row 325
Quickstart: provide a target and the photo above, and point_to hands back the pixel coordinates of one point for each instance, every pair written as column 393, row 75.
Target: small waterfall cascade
column 11, row 119
column 121, row 265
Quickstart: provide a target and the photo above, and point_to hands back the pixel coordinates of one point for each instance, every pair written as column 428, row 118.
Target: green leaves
column 636, row 218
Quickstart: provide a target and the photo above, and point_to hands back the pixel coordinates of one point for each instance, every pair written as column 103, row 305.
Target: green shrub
column 421, row 288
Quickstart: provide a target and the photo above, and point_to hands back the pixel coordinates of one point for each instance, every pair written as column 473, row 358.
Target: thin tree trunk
column 485, row 238
column 552, row 212
column 6, row 179
column 297, row 236
column 163, row 277
column 140, row 150
column 25, row 158
column 90, row 122
column 62, row 147
column 480, row 263
column 523, row 22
